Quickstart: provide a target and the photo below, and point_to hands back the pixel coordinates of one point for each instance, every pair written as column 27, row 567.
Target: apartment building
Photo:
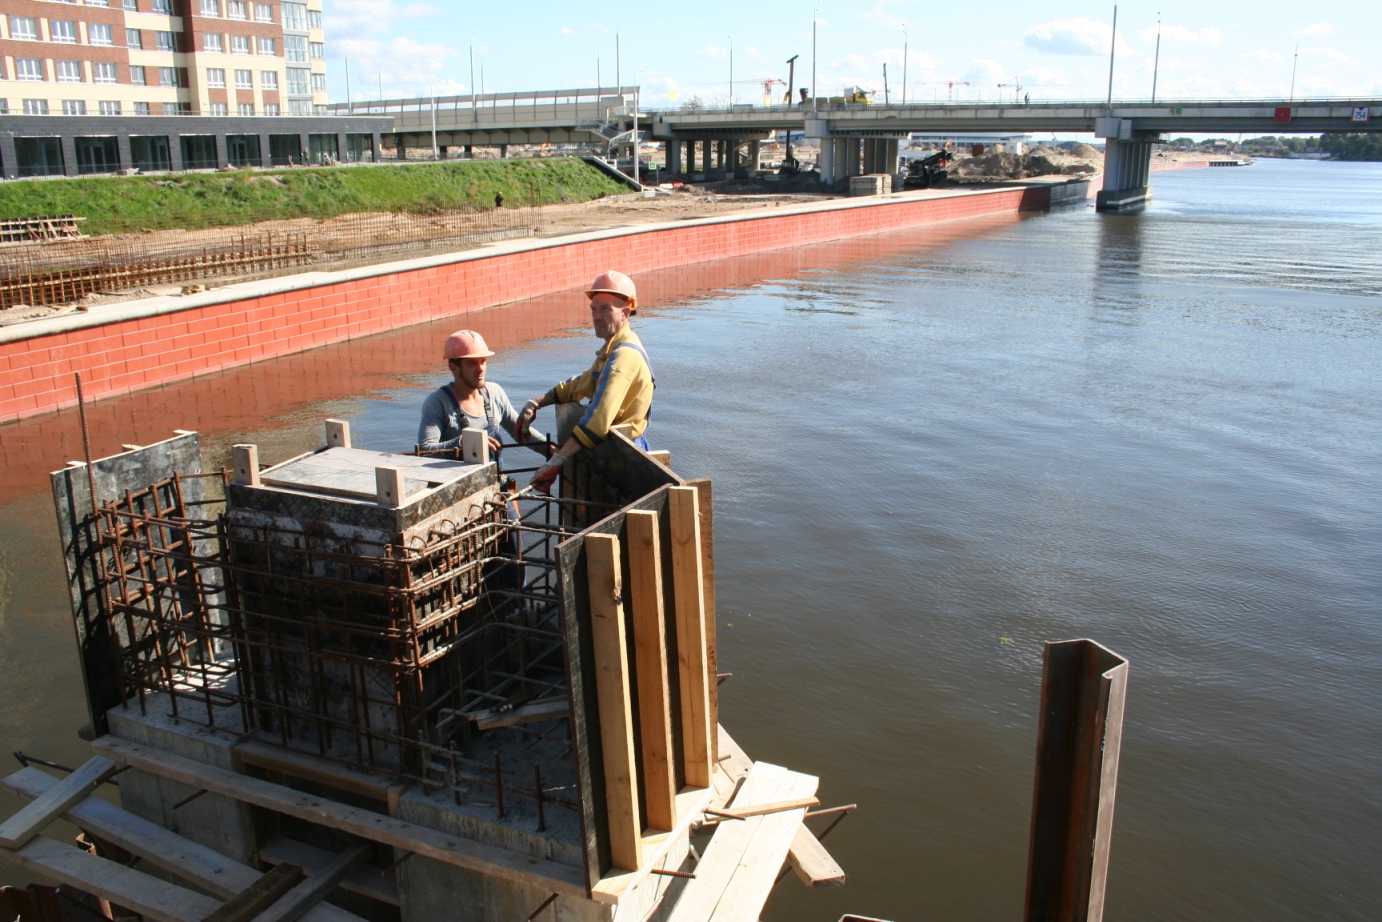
column 219, row 59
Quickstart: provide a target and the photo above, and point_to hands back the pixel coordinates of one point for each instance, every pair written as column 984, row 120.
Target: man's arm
column 434, row 418
column 508, row 419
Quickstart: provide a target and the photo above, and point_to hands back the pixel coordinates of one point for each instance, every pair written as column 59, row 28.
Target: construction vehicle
column 858, row 94
column 923, row 173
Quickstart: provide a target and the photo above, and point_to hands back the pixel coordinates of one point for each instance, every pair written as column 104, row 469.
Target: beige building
column 162, row 57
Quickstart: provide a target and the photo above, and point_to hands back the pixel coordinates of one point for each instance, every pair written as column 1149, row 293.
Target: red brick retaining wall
column 145, row 344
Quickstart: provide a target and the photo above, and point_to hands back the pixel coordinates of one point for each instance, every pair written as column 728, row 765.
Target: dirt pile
column 1039, row 161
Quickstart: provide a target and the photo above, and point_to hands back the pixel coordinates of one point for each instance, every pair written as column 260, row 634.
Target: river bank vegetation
column 115, row 204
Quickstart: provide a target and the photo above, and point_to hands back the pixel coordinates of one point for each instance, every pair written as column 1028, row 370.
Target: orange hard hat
column 613, row 282
column 465, row 344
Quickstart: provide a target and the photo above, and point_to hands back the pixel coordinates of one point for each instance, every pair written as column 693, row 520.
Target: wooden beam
column 812, row 863
column 208, row 869
column 474, row 446
column 662, row 457
column 56, row 801
column 337, row 433
column 148, row 896
column 389, row 486
column 258, row 896
column 705, row 504
column 693, row 677
column 294, row 904
column 365, row 879
column 650, row 658
column 547, row 709
column 448, row 849
column 615, row 703
column 245, row 461
column 777, row 806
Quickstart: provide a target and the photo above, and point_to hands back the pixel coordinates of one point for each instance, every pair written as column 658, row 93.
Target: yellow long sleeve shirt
column 619, row 385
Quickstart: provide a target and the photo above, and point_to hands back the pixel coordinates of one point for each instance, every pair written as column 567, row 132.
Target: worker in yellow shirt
column 619, row 384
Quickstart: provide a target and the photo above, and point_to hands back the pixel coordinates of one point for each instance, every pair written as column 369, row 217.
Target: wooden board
column 740, row 865
column 187, row 860
column 350, row 472
column 53, row 803
column 314, row 889
column 650, row 658
column 812, row 863
column 366, row 879
column 376, row 827
column 692, row 675
column 149, row 896
column 258, row 896
column 616, row 706
column 705, row 502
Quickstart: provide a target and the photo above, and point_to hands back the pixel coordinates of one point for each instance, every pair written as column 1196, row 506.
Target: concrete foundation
column 1127, row 172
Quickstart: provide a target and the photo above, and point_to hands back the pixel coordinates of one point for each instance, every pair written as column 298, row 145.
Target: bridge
column 854, row 138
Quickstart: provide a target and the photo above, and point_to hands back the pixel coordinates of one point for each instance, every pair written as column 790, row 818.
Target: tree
column 1345, row 146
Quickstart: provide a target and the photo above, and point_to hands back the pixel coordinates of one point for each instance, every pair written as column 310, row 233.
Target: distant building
column 102, row 59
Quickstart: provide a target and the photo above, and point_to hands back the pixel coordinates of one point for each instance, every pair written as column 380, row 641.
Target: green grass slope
column 113, row 204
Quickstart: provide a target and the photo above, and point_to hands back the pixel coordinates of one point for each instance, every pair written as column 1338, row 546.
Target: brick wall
column 224, row 329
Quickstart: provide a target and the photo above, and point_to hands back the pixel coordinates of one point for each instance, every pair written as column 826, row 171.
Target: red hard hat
column 613, row 282
column 465, row 344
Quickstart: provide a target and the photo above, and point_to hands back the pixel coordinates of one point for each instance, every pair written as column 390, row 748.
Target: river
column 932, row 452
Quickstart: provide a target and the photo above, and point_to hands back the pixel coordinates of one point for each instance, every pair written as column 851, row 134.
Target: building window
column 211, row 9
column 28, row 69
column 268, row 79
column 165, row 41
column 35, row 107
column 216, row 77
column 163, row 6
column 319, row 83
column 245, row 108
column 219, row 108
column 134, row 38
column 295, row 49
column 263, row 12
column 238, row 9
column 97, row 3
column 177, row 108
column 141, row 108
column 299, row 107
column 271, row 108
column 69, row 71
column 239, row 44
column 63, row 31
column 267, row 46
column 295, row 16
column 132, row 5
column 244, row 80
column 74, row 107
column 24, row 28
column 314, row 19
column 167, row 76
column 211, row 41
column 137, row 75
column 98, row 33
column 103, row 72
column 4, row 107
column 316, row 51
column 110, row 107
column 297, row 82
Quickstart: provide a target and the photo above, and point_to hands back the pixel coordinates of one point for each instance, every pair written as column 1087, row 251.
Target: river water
column 932, row 452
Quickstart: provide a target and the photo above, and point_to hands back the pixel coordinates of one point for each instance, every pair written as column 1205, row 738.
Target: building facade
column 113, row 59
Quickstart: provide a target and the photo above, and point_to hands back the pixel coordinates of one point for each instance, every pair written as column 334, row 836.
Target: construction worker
column 619, row 384
column 470, row 402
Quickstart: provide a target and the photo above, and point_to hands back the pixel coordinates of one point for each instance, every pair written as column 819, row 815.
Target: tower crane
column 766, row 83
column 949, row 85
column 1017, row 86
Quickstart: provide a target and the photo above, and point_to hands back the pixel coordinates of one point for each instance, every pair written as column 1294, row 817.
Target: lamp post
column 904, row 64
column 474, row 113
column 1113, row 44
column 433, row 89
column 1156, row 61
column 814, row 90
column 597, row 66
column 1294, row 61
column 731, row 70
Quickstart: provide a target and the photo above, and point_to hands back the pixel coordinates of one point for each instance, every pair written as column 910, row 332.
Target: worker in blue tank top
column 470, row 401
column 619, row 385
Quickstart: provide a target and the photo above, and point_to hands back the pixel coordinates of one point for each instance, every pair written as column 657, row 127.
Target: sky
column 976, row 50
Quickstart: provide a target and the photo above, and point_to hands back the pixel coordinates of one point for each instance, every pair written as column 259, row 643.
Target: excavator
column 928, row 171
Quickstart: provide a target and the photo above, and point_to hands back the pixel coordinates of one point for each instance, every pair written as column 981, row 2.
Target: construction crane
column 949, row 86
column 766, row 83
column 1018, row 86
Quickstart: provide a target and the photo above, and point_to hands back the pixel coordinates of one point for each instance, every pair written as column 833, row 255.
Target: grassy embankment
column 116, row 204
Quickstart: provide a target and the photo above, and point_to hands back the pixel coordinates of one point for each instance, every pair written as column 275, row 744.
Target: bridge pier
column 1127, row 165
column 673, row 158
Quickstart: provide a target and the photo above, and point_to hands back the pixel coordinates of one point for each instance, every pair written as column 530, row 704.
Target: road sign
column 1362, row 113
column 1282, row 115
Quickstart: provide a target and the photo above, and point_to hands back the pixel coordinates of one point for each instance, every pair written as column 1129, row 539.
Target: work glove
column 525, row 419
column 542, row 479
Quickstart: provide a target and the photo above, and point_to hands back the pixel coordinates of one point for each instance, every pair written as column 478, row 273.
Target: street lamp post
column 474, row 113
column 815, row 91
column 904, row 64
column 731, row 70
column 1156, row 60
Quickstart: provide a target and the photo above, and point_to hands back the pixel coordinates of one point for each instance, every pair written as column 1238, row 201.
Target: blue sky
column 680, row 51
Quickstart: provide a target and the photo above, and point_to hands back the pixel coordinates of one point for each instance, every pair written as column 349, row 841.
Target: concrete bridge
column 854, row 138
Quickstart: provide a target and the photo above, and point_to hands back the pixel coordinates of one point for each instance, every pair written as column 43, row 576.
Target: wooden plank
column 777, row 806
column 208, row 869
column 738, row 868
column 693, row 678
column 650, row 658
column 293, row 905
column 448, row 849
column 317, row 770
column 705, row 504
column 365, row 879
column 616, row 706
column 661, row 457
column 389, row 486
column 812, row 863
column 657, row 847
column 547, row 709
column 258, row 896
column 474, row 446
column 245, row 459
column 337, row 433
column 148, row 896
column 56, row 801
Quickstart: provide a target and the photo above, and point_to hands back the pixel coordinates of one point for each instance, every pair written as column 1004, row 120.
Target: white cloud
column 1317, row 30
column 752, row 53
column 1183, row 36
column 418, row 10
column 1069, row 36
column 714, row 53
column 364, row 19
column 881, row 17
column 567, row 30
column 1332, row 54
column 1262, row 55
